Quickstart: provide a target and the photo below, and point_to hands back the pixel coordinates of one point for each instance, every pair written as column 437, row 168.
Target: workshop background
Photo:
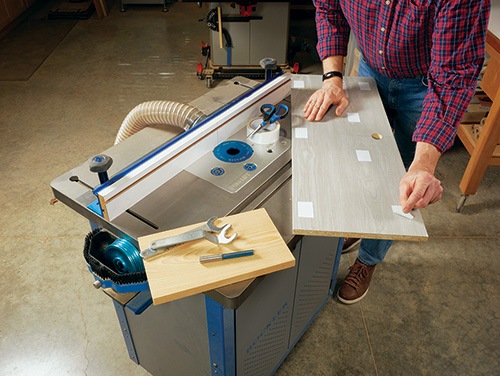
column 65, row 87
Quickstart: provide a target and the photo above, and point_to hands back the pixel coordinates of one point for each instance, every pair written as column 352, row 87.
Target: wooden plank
column 335, row 192
column 177, row 273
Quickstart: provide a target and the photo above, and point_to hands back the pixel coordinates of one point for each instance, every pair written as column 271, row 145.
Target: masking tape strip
column 397, row 209
column 298, row 84
column 305, row 209
column 363, row 155
column 344, row 87
column 301, row 132
column 353, row 117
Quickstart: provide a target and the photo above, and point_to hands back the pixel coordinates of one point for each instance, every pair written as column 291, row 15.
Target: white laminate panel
column 350, row 195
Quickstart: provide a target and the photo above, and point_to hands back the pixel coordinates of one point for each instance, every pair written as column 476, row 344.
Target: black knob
column 269, row 64
column 101, row 163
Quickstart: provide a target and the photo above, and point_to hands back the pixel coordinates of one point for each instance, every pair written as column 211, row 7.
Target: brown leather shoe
column 350, row 244
column 356, row 283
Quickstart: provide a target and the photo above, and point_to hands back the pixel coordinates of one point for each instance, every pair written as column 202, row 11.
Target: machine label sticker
column 363, row 155
column 301, row 132
column 305, row 209
column 297, row 84
column 353, row 117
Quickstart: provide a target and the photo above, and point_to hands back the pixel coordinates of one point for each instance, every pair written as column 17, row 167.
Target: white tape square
column 297, row 84
column 397, row 209
column 363, row 155
column 305, row 209
column 353, row 117
column 301, row 132
column 344, row 87
column 364, row 86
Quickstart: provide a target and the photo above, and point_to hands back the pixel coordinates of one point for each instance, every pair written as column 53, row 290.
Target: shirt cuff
column 435, row 132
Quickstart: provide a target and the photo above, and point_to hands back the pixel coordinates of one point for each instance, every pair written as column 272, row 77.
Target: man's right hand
column 330, row 94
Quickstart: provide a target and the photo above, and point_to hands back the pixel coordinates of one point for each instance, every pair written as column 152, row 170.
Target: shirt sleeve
column 332, row 29
column 457, row 56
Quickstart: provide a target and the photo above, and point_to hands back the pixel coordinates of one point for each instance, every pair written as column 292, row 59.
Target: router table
column 246, row 328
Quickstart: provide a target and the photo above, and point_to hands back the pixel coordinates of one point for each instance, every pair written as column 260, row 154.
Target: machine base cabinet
column 198, row 336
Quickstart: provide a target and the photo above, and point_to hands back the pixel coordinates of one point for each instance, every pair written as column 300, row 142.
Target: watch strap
column 328, row 75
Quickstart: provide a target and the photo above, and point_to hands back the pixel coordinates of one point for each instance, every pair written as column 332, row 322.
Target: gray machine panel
column 270, row 321
column 172, row 338
column 263, row 323
column 313, row 280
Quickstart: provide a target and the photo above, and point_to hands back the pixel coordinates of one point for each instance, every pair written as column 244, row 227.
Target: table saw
column 246, row 328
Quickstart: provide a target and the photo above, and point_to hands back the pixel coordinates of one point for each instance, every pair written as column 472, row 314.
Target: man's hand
column 419, row 187
column 330, row 94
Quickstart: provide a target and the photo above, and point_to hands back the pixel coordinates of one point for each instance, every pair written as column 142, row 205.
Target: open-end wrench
column 206, row 231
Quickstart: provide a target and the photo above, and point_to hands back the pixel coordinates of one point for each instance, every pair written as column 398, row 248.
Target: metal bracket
column 221, row 338
column 122, row 319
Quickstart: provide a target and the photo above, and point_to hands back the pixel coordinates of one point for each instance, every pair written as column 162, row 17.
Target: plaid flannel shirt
column 443, row 39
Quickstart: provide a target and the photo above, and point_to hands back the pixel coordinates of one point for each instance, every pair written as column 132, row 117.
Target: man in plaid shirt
column 425, row 56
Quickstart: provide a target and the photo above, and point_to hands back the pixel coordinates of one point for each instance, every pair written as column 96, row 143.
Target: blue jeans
column 403, row 99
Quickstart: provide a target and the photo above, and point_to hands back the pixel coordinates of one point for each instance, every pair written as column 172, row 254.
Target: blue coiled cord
column 123, row 257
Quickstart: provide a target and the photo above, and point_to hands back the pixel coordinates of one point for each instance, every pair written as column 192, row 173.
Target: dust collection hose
column 159, row 112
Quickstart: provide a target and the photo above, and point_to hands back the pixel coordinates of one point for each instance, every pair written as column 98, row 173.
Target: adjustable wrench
column 206, row 231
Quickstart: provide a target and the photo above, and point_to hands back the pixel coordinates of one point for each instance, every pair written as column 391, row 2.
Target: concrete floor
column 432, row 308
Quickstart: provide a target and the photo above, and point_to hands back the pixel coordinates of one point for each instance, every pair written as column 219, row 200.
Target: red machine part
column 246, row 11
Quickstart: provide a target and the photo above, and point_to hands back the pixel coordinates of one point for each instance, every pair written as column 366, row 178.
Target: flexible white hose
column 158, row 112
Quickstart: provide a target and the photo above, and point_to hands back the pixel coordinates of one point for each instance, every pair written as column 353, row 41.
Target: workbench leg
column 480, row 158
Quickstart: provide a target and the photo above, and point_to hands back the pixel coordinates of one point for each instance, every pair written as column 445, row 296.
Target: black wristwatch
column 327, row 75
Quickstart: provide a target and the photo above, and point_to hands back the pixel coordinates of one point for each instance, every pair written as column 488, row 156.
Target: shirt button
column 380, row 52
column 383, row 67
column 383, row 29
column 387, row 2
